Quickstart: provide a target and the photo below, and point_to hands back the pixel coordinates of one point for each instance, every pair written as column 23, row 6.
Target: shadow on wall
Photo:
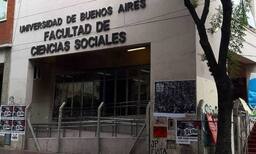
column 186, row 149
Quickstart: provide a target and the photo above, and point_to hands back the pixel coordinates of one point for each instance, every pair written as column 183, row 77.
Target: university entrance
column 118, row 77
column 124, row 90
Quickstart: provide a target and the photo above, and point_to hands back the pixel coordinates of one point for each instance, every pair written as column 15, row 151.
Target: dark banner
column 175, row 96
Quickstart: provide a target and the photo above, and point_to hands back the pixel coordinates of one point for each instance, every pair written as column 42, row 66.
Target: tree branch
column 225, row 34
column 205, row 11
column 192, row 11
column 212, row 63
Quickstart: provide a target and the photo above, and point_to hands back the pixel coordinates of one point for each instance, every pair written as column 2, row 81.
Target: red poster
column 212, row 122
column 160, row 132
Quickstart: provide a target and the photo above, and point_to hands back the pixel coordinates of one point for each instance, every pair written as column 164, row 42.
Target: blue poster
column 252, row 91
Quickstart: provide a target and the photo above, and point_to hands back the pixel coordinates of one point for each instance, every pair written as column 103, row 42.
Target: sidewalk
column 4, row 151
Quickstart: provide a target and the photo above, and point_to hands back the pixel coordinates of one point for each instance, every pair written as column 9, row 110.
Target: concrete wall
column 6, row 59
column 43, row 94
column 89, row 145
column 165, row 24
column 209, row 93
column 249, row 48
column 206, row 89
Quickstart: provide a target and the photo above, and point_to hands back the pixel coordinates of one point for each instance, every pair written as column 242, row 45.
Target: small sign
column 187, row 132
column 160, row 121
column 6, row 125
column 15, row 137
column 7, row 139
column 160, row 132
column 6, row 112
column 18, row 126
column 19, row 112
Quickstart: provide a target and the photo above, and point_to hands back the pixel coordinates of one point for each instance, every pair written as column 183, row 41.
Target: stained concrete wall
column 89, row 145
column 6, row 57
column 165, row 24
column 5, row 60
column 206, row 89
column 43, row 94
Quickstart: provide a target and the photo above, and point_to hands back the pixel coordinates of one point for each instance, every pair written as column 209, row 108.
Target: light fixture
column 145, row 71
column 136, row 49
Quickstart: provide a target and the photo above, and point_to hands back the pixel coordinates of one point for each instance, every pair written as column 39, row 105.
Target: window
column 125, row 91
column 3, row 10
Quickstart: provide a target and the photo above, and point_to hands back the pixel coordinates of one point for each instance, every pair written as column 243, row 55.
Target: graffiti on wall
column 158, row 146
column 209, row 123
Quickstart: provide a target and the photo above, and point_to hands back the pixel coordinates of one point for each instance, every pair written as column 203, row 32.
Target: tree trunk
column 225, row 104
column 218, row 69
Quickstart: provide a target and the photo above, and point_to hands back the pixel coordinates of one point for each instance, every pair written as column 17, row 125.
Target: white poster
column 15, row 137
column 187, row 132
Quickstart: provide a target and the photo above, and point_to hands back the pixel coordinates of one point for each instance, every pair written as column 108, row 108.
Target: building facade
column 123, row 53
column 6, row 31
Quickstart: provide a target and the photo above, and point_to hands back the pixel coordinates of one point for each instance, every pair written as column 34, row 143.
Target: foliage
column 194, row 3
column 238, row 28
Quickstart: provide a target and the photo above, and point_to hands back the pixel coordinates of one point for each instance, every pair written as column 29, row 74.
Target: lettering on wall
column 158, row 146
column 79, row 36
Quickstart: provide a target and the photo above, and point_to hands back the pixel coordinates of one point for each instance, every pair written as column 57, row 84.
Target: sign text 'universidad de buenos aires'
column 82, row 35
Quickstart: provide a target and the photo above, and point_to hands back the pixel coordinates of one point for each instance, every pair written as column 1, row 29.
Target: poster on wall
column 187, row 132
column 252, row 90
column 19, row 112
column 6, row 126
column 175, row 96
column 6, row 112
column 160, row 121
column 15, row 137
column 18, row 126
column 12, row 119
column 171, row 131
column 160, row 132
column 160, row 127
column 3, row 10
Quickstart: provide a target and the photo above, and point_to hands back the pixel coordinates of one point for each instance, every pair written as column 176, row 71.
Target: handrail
column 89, row 122
column 114, row 123
column 148, row 112
column 27, row 112
column 59, row 124
column 142, row 129
column 245, row 148
column 137, row 138
column 98, row 126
